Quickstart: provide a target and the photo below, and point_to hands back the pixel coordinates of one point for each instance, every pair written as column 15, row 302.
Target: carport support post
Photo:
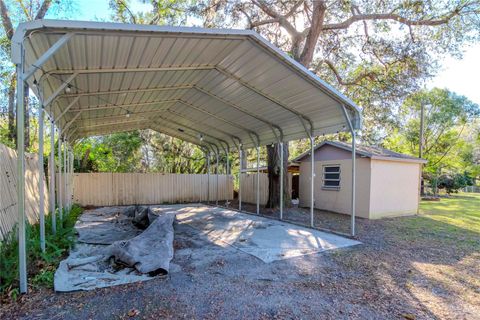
column 228, row 173
column 65, row 176
column 22, row 251
column 352, row 131
column 352, row 222
column 68, row 177
column 52, row 176
column 216, row 178
column 312, row 179
column 228, row 162
column 281, row 180
column 40, row 177
column 258, row 180
column 208, row 177
column 59, row 180
column 72, row 169
column 240, row 156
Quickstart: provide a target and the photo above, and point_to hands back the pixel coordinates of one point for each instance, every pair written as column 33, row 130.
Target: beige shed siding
column 337, row 200
column 394, row 188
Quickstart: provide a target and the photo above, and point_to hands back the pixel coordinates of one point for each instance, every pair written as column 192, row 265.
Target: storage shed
column 387, row 184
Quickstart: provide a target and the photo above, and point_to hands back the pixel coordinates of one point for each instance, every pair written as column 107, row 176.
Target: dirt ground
column 397, row 273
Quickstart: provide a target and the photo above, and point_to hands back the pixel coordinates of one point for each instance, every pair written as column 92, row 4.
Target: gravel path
column 394, row 274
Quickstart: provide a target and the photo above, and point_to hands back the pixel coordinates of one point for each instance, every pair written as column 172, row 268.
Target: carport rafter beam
column 65, row 129
column 233, row 137
column 273, row 126
column 112, row 125
column 126, row 70
column 99, row 93
column 168, row 131
column 235, row 106
column 221, row 70
column 64, row 111
column 87, row 109
column 233, row 124
column 46, row 56
column 192, row 129
column 71, row 134
column 61, row 87
column 300, row 116
column 89, row 133
column 142, row 114
column 120, row 106
column 123, row 116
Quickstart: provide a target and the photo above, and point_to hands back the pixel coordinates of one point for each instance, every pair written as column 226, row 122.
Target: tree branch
column 6, row 21
column 132, row 16
column 394, row 17
column 318, row 17
column 449, row 148
column 25, row 10
column 43, row 9
column 339, row 78
column 277, row 17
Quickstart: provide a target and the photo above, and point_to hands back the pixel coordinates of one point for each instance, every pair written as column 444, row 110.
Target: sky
column 458, row 75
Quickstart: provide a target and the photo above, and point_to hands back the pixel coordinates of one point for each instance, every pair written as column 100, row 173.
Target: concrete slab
column 268, row 240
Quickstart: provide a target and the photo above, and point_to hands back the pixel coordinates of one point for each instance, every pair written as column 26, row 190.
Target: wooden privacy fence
column 106, row 189
column 8, row 189
column 65, row 185
column 248, row 184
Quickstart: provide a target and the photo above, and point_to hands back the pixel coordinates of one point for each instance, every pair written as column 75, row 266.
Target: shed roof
column 372, row 152
column 205, row 86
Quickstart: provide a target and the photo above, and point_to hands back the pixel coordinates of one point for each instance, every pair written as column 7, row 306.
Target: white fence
column 8, row 189
column 248, row 184
column 472, row 189
column 107, row 189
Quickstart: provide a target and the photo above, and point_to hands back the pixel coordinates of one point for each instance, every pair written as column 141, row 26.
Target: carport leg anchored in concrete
column 254, row 130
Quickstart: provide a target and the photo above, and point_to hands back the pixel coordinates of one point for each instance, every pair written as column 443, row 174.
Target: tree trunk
column 12, row 135
column 84, row 162
column 273, row 158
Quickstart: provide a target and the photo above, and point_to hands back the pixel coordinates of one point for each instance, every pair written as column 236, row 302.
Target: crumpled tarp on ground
column 113, row 250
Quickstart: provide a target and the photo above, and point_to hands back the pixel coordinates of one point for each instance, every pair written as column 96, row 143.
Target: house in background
column 387, row 185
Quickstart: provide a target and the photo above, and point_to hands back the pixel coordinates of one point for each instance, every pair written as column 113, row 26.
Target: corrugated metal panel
column 225, row 84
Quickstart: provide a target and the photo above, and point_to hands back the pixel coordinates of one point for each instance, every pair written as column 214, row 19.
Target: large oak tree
column 375, row 51
column 22, row 11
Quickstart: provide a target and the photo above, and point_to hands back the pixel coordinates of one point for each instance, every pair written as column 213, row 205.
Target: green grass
column 450, row 221
column 459, row 211
column 41, row 266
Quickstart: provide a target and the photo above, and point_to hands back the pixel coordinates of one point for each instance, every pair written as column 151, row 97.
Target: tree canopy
column 378, row 53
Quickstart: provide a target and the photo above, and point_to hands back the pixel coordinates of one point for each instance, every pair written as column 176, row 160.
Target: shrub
column 41, row 266
column 454, row 182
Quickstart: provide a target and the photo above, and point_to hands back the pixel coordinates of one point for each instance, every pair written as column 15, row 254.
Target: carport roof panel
column 221, row 86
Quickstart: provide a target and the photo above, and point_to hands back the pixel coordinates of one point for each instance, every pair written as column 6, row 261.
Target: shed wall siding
column 394, row 188
column 337, row 200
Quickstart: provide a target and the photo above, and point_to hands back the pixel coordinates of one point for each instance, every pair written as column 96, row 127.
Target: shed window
column 331, row 177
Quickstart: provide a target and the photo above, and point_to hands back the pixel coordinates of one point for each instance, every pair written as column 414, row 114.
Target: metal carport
column 220, row 89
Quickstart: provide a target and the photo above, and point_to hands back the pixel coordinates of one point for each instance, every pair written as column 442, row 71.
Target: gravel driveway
column 394, row 274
